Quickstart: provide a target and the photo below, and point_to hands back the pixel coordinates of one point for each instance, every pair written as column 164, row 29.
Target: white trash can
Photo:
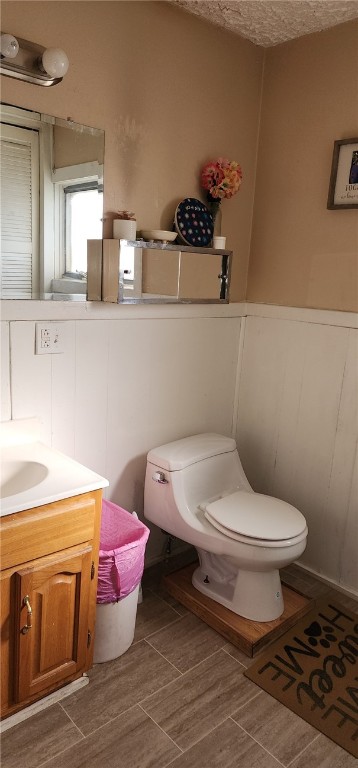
column 115, row 625
column 120, row 567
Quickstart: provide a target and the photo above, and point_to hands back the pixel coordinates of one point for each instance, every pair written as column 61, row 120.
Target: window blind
column 19, row 212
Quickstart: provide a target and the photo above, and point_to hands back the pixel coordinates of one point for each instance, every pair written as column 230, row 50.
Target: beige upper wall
column 303, row 254
column 170, row 91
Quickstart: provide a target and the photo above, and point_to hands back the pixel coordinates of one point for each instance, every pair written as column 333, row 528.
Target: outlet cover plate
column 49, row 338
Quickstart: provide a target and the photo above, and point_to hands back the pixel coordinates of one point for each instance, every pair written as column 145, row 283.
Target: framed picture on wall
column 343, row 185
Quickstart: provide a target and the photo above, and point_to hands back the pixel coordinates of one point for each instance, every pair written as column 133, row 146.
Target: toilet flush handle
column 159, row 477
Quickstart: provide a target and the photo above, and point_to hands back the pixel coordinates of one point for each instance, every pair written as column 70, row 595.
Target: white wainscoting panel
column 5, row 413
column 165, row 380
column 343, row 491
column 91, row 418
column 31, row 377
column 63, row 389
column 297, row 431
column 124, row 386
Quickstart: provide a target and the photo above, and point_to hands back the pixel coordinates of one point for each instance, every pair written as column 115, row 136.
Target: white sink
column 33, row 474
column 19, row 476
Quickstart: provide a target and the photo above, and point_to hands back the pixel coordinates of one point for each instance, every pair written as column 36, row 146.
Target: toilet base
column 250, row 636
column 254, row 595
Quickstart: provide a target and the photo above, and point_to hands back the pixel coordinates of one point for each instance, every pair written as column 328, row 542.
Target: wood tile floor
column 177, row 698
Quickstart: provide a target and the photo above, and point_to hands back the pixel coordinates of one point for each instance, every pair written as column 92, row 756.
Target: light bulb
column 55, row 62
column 9, row 46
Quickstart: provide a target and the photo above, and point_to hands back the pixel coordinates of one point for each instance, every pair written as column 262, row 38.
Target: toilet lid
column 190, row 450
column 256, row 516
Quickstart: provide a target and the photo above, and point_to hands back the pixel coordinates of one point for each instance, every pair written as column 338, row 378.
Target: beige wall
column 302, row 254
column 170, row 93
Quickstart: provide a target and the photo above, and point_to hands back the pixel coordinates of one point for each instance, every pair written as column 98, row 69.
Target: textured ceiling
column 267, row 22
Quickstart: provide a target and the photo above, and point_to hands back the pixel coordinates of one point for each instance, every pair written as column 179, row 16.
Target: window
column 78, row 218
column 83, row 221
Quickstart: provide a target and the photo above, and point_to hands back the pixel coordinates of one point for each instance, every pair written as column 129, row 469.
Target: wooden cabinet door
column 6, row 637
column 52, row 601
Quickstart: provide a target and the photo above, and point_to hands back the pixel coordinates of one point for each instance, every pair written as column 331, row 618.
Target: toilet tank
column 182, row 474
column 190, row 450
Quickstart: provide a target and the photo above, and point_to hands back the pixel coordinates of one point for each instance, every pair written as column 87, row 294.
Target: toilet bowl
column 196, row 490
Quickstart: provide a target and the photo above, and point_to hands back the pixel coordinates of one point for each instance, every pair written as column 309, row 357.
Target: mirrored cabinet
column 124, row 271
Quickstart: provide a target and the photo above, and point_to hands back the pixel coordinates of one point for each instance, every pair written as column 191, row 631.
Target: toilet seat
column 265, row 520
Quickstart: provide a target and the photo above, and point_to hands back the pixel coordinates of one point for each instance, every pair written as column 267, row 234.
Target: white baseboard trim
column 44, row 703
column 350, row 592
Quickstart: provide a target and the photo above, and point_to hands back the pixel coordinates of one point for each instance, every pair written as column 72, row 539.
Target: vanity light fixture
column 31, row 62
column 9, row 46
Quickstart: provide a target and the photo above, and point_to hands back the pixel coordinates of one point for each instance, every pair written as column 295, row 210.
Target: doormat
column 313, row 670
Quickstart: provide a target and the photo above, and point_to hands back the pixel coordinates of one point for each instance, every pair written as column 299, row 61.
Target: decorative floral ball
column 221, row 178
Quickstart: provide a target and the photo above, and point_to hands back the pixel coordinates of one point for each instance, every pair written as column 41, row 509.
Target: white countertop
column 32, row 474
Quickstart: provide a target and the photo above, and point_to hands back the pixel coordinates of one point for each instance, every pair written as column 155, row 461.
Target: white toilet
column 196, row 490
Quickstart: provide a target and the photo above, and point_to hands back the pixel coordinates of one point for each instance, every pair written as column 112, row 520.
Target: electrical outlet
column 49, row 338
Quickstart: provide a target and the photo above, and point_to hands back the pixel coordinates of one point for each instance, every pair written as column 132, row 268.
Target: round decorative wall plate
column 194, row 223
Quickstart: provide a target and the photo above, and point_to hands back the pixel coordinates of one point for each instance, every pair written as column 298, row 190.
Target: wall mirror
column 51, row 204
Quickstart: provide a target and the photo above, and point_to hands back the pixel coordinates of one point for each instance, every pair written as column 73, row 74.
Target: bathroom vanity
column 49, row 557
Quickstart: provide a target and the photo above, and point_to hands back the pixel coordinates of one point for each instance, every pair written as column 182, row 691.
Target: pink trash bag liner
column 121, row 553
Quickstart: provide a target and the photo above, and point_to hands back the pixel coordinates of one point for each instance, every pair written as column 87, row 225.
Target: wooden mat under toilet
column 250, row 636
